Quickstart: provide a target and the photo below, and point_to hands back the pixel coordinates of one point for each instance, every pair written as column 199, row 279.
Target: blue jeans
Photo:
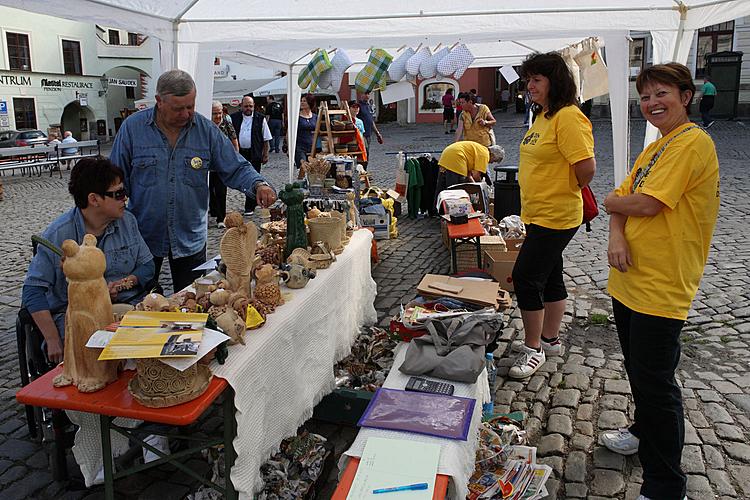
column 651, row 347
column 275, row 125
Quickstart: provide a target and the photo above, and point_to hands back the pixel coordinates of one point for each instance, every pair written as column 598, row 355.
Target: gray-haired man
column 166, row 154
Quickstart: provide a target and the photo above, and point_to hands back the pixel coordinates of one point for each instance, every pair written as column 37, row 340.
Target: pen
column 408, row 487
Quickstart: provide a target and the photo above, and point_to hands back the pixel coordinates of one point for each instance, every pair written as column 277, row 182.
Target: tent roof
column 235, row 89
column 285, row 31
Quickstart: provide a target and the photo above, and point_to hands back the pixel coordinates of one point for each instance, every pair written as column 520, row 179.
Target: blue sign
column 3, row 108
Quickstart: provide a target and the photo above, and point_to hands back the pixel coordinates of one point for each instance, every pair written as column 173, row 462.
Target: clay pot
column 326, row 229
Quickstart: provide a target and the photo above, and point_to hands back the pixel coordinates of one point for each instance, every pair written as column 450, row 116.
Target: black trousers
column 181, row 268
column 706, row 105
column 651, row 347
column 217, row 201
column 538, row 272
column 250, row 202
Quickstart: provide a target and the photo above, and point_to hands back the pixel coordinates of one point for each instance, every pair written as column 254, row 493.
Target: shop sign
column 59, row 85
column 234, row 102
column 83, row 98
column 123, row 82
column 3, row 108
column 4, row 121
column 221, row 71
column 15, row 80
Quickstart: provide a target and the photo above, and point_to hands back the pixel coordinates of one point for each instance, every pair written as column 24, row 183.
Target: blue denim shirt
column 168, row 188
column 123, row 247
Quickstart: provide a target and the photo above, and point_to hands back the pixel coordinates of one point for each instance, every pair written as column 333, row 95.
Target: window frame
column 130, row 90
column 8, row 48
column 15, row 110
column 133, row 38
column 633, row 41
column 712, row 32
column 110, row 34
column 80, row 56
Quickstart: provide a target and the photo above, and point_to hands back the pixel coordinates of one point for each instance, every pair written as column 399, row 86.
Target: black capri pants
column 538, row 273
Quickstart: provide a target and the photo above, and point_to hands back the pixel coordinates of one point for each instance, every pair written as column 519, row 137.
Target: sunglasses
column 118, row 195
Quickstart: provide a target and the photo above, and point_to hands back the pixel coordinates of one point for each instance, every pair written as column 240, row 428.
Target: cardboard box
column 500, row 267
column 484, row 292
column 513, row 245
column 379, row 224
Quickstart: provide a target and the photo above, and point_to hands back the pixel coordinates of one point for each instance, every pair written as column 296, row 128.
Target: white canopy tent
column 192, row 31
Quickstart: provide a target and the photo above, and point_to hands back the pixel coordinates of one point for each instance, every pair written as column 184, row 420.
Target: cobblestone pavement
column 568, row 402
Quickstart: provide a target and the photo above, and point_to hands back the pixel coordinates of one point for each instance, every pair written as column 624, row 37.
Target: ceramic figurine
column 300, row 256
column 352, row 211
column 267, row 288
column 89, row 310
column 238, row 251
column 154, row 302
column 296, row 234
column 226, row 317
column 295, row 275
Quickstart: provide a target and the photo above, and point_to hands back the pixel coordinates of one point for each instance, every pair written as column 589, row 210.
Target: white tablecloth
column 286, row 366
column 456, row 457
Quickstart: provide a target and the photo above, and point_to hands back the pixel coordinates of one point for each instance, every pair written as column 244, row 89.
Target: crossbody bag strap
column 639, row 178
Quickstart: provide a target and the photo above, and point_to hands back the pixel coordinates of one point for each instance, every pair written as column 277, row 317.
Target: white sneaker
column 621, row 441
column 221, row 225
column 527, row 363
column 643, row 497
column 554, row 348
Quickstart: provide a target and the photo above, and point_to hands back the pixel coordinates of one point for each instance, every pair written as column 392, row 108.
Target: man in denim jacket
column 166, row 154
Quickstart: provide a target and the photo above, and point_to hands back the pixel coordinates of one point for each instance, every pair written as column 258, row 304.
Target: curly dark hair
column 92, row 175
column 669, row 74
column 562, row 86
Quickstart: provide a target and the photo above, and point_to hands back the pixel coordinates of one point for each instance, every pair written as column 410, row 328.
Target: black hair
column 449, row 90
column 470, row 97
column 562, row 86
column 92, row 175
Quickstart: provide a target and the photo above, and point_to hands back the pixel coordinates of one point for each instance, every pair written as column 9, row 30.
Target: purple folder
column 419, row 412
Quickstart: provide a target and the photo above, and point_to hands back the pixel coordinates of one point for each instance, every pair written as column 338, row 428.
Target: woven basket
column 326, row 229
column 341, row 217
column 158, row 385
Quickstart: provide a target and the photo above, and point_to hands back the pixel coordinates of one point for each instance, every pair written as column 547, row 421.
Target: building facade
column 58, row 75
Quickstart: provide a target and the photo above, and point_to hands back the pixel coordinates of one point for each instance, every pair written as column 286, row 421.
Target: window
column 716, row 38
column 637, row 56
column 19, row 55
column 25, row 113
column 132, row 38
column 431, row 97
column 72, row 57
column 114, row 37
column 130, row 92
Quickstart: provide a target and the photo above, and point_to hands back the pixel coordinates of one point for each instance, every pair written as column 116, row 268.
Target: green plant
column 598, row 319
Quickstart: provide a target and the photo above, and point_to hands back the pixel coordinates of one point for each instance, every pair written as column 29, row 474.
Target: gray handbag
column 454, row 349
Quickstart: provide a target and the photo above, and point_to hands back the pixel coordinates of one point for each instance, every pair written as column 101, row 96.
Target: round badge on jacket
column 196, row 163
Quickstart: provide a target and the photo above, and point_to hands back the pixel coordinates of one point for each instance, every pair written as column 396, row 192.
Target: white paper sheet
column 387, row 463
column 509, row 74
column 209, row 265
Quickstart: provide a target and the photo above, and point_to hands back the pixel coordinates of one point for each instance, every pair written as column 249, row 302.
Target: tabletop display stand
column 325, row 117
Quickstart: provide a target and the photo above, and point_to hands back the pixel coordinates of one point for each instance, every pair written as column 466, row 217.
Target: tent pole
column 681, row 29
column 290, row 132
column 175, row 34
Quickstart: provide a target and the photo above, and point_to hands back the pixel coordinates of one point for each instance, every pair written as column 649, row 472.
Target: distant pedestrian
column 275, row 122
column 707, row 101
column 504, row 98
column 449, row 116
column 253, row 135
column 365, row 114
column 217, row 190
column 69, row 151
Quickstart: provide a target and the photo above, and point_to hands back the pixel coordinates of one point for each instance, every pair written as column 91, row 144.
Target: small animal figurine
column 226, row 317
column 238, row 250
column 295, row 275
column 89, row 310
column 154, row 302
column 267, row 288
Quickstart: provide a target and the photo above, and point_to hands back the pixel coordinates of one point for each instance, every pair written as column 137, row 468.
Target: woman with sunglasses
column 99, row 195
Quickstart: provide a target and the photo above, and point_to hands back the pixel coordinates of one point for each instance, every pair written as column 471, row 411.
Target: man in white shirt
column 253, row 135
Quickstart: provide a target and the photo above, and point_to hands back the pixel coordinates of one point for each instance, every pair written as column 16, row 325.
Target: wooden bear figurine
column 89, row 310
column 238, row 252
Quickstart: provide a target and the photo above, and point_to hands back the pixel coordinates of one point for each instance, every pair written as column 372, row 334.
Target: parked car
column 20, row 138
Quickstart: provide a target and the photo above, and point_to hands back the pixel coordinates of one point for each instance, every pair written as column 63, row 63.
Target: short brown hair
column 673, row 73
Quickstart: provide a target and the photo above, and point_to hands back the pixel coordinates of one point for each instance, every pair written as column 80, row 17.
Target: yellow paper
column 156, row 335
column 253, row 319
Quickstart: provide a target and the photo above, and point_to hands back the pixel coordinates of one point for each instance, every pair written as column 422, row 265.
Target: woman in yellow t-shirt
column 557, row 160
column 476, row 121
column 662, row 218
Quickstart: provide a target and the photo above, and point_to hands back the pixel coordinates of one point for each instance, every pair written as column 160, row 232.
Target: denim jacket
column 46, row 288
column 168, row 188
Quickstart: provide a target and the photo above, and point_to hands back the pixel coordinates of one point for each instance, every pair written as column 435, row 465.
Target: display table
column 116, row 401
column 457, row 458
column 286, row 366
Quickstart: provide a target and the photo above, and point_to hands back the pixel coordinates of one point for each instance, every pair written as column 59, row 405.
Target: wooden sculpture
column 89, row 310
column 226, row 317
column 238, row 251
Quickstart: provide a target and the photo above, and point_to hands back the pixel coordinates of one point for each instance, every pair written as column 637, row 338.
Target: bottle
column 489, row 408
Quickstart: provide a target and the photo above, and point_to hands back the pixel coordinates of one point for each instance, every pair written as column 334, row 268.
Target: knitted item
column 310, row 74
column 428, row 66
column 373, row 75
column 456, row 62
column 331, row 79
column 397, row 69
column 415, row 61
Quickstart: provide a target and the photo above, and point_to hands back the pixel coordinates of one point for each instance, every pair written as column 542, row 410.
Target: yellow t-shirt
column 464, row 156
column 550, row 196
column 474, row 131
column 669, row 250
